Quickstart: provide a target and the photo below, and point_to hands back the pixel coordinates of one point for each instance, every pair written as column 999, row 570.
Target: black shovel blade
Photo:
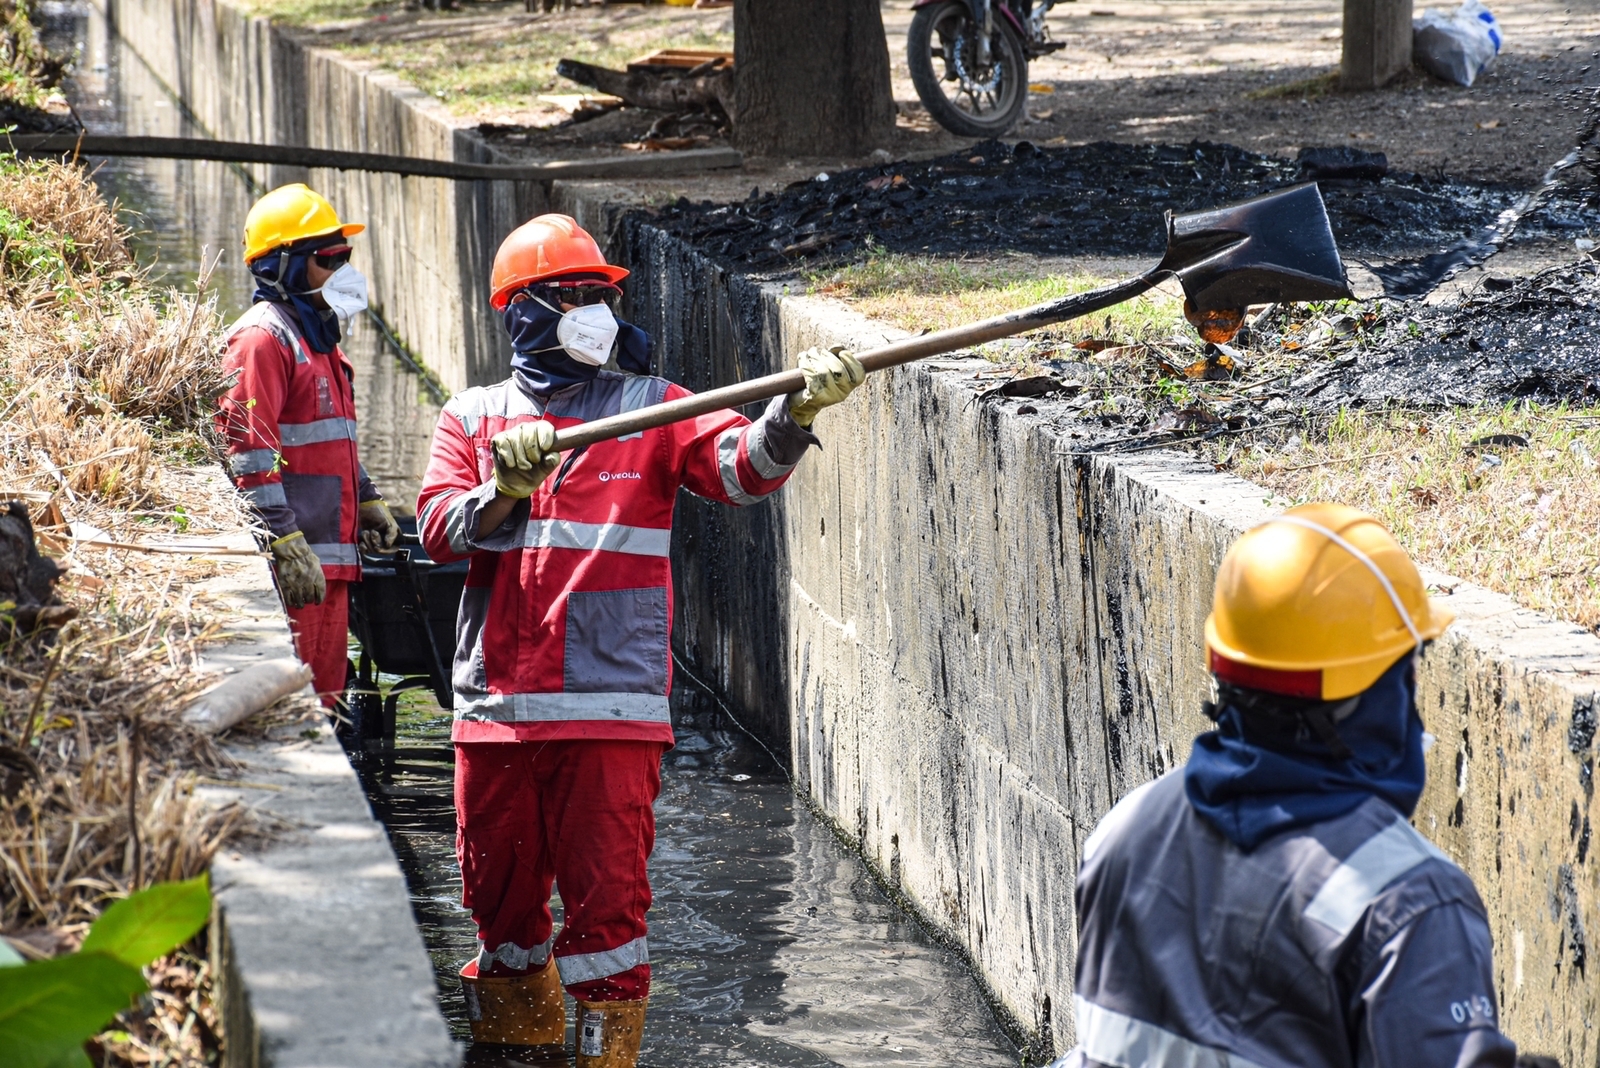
column 1269, row 249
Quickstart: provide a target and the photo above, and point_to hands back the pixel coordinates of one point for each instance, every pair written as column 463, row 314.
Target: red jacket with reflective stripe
column 564, row 625
column 290, row 425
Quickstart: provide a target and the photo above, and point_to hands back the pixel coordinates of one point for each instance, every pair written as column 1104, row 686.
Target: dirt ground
column 1255, row 73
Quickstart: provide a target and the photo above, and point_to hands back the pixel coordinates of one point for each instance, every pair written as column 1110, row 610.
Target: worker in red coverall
column 290, row 420
column 562, row 664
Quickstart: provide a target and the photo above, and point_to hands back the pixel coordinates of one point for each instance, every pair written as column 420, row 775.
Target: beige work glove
column 830, row 378
column 300, row 577
column 524, row 456
column 379, row 531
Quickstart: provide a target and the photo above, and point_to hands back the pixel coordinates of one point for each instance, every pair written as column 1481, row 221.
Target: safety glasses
column 331, row 259
column 578, row 294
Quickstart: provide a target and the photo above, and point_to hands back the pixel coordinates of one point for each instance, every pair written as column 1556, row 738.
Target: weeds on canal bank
column 1502, row 497
column 28, row 73
column 106, row 389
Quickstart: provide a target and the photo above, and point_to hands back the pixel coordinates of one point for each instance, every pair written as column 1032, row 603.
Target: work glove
column 831, row 375
column 524, row 456
column 300, row 577
column 379, row 531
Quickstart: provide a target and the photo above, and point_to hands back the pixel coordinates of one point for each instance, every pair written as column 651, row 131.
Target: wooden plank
column 682, row 59
column 656, row 163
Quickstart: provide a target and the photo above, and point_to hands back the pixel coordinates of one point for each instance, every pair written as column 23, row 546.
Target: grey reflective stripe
column 587, row 967
column 268, row 496
column 640, row 391
column 1379, row 861
column 1112, row 1038
column 455, row 522
column 761, row 456
column 253, row 462
column 610, row 537
column 637, row 392
column 503, row 400
column 514, row 956
column 270, row 317
column 727, row 461
column 555, row 707
column 334, row 553
column 335, row 429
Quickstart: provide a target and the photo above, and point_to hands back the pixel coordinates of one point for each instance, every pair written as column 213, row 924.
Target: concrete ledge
column 318, row 959
column 972, row 641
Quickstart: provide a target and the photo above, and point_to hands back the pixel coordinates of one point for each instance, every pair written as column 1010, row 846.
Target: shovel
column 1276, row 248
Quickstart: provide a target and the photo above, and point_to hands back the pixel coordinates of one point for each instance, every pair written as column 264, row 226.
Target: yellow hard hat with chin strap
column 288, row 214
column 1317, row 603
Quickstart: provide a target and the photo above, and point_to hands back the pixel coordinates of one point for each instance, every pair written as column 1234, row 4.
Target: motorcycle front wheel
column 962, row 94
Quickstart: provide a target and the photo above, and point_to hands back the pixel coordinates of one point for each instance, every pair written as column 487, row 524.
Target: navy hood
column 1250, row 791
column 537, row 355
column 319, row 325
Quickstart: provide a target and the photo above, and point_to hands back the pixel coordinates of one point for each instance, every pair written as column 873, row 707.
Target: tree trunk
column 811, row 78
column 1377, row 42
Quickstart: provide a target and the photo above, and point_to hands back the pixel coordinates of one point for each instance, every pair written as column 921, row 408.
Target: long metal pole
column 893, row 355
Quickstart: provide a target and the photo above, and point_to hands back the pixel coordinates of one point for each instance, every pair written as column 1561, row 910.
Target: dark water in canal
column 770, row 944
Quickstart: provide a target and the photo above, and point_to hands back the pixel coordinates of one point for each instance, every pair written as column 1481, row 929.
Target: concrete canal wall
column 318, row 961
column 969, row 641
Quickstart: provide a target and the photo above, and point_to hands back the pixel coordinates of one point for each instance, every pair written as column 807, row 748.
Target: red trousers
column 322, row 638
column 580, row 814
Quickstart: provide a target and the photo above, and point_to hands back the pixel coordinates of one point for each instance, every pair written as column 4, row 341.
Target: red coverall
column 290, row 424
column 563, row 665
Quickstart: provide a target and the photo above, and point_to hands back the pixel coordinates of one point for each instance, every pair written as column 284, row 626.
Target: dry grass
column 1522, row 520
column 489, row 61
column 917, row 292
column 106, row 390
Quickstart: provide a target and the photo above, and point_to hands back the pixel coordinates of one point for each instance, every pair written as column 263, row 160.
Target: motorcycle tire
column 931, row 74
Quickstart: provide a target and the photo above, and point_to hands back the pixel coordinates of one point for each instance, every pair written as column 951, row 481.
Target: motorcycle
column 969, row 60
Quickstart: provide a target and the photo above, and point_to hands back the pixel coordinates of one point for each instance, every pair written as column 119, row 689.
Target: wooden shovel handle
column 893, row 355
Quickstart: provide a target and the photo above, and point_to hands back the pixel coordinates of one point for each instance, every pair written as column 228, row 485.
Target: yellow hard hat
column 288, row 214
column 1317, row 603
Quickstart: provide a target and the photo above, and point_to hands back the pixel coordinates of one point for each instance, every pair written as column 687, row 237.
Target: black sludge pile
column 1536, row 337
column 1104, row 199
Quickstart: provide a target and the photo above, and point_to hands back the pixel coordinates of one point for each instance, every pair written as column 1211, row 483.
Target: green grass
column 924, row 292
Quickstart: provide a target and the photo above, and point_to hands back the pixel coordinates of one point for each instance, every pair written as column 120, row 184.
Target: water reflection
column 771, row 945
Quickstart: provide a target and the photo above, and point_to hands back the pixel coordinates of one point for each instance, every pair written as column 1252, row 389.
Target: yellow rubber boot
column 609, row 1033
column 522, row 1010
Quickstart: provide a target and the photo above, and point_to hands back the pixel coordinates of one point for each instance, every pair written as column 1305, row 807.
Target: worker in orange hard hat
column 290, row 419
column 1269, row 903
column 563, row 660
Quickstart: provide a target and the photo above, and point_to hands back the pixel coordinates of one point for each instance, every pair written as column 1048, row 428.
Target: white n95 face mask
column 345, row 292
column 587, row 333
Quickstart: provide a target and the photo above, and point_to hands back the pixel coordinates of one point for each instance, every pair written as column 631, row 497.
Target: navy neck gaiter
column 1250, row 791
column 319, row 326
column 537, row 355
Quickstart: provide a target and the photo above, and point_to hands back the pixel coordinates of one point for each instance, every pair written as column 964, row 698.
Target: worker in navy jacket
column 1269, row 905
column 563, row 662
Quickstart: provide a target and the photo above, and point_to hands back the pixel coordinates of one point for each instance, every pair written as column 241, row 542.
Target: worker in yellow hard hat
column 1269, row 904
column 290, row 419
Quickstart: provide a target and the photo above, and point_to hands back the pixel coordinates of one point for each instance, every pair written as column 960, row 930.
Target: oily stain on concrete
column 770, row 944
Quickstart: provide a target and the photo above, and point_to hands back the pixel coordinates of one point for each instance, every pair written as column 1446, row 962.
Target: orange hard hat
column 543, row 248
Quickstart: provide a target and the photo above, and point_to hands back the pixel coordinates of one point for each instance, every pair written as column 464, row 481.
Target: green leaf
column 152, row 922
column 72, row 1058
column 49, row 1008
